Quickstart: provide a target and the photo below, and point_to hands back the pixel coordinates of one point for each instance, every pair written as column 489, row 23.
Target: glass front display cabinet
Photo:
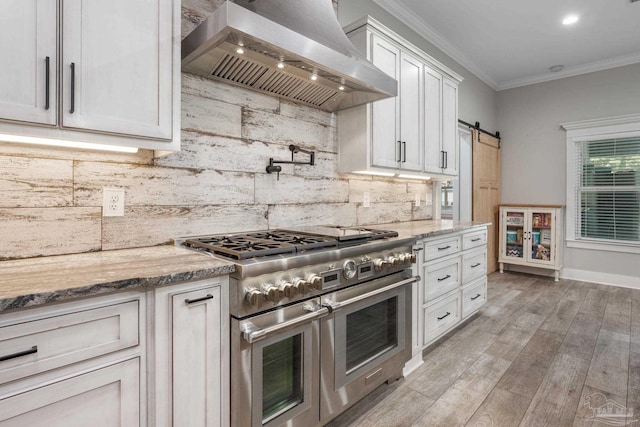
column 531, row 235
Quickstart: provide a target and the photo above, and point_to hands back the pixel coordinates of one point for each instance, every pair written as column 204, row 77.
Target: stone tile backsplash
column 50, row 199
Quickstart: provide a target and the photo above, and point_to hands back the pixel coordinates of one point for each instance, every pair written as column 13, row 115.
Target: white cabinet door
column 432, row 120
column 385, row 113
column 107, row 397
column 116, row 66
column 411, row 157
column 27, row 43
column 450, row 127
column 197, row 377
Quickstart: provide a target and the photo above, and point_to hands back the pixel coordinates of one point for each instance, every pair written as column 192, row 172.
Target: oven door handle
column 251, row 333
column 335, row 305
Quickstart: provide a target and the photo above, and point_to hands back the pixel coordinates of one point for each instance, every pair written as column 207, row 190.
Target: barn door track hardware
column 273, row 164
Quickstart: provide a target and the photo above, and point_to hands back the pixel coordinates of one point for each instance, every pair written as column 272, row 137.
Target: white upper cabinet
column 396, row 130
column 414, row 132
column 450, row 127
column 386, row 112
column 28, row 73
column 441, row 124
column 410, row 95
column 116, row 64
column 432, row 120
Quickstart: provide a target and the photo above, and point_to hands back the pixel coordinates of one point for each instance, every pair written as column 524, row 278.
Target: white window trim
column 589, row 130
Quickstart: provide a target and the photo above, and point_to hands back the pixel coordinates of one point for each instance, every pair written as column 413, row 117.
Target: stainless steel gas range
column 320, row 316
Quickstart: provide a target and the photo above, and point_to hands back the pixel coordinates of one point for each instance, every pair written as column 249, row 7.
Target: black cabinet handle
column 446, row 247
column 399, row 157
column 446, row 159
column 475, row 265
column 73, row 88
column 477, row 239
column 476, row 297
column 440, row 318
column 46, row 83
column 442, row 159
column 204, row 298
column 404, row 151
column 444, row 278
column 32, row 350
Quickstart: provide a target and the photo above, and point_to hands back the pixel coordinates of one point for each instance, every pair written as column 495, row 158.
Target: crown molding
column 409, row 18
column 607, row 121
column 572, row 71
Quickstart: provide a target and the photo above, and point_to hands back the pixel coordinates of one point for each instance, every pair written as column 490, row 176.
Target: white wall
column 534, row 145
column 476, row 99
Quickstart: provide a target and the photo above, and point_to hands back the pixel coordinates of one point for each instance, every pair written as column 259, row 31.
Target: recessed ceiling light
column 340, row 87
column 314, row 76
column 239, row 51
column 280, row 65
column 571, row 19
column 556, row 68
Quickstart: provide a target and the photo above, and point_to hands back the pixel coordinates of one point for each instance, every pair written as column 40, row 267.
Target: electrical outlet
column 418, row 199
column 112, row 201
column 366, row 199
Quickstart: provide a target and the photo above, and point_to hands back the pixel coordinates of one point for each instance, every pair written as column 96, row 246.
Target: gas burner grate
column 259, row 244
column 240, row 247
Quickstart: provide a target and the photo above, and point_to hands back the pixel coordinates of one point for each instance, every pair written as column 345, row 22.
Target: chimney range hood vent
column 292, row 49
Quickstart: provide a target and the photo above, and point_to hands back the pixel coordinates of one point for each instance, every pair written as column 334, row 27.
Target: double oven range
column 320, row 316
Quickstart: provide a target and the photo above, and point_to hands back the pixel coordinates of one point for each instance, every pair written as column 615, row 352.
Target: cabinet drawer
column 474, row 296
column 442, row 247
column 474, row 265
column 441, row 277
column 474, row 239
column 105, row 397
column 441, row 316
column 56, row 341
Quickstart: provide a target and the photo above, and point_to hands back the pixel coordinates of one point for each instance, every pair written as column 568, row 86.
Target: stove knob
column 412, row 258
column 254, row 297
column 380, row 264
column 271, row 293
column 395, row 261
column 315, row 281
column 288, row 289
column 302, row 286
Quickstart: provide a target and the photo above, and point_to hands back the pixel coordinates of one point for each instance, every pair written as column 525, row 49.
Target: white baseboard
column 413, row 364
column 602, row 278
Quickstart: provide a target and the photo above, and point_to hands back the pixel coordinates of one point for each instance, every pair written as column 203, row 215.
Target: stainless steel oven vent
column 242, row 71
column 292, row 49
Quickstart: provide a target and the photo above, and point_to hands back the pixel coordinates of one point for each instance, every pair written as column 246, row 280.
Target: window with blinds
column 607, row 190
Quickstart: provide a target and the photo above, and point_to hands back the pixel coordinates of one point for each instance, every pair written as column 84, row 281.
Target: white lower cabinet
column 453, row 284
column 191, row 364
column 474, row 296
column 107, row 397
column 75, row 364
column 441, row 316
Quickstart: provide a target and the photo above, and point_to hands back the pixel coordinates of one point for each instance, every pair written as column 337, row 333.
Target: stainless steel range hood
column 292, row 49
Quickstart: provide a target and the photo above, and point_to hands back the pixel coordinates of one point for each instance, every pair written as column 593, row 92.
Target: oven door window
column 282, row 380
column 282, row 366
column 367, row 333
column 371, row 332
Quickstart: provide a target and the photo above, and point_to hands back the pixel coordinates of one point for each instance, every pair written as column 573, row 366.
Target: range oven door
column 366, row 340
column 275, row 367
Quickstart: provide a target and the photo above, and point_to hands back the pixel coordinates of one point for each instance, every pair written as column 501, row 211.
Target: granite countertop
column 429, row 228
column 35, row 281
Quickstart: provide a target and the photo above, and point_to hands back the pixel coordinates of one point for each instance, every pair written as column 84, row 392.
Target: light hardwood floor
column 539, row 353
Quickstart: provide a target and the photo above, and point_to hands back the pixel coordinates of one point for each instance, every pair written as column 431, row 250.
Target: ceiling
column 514, row 43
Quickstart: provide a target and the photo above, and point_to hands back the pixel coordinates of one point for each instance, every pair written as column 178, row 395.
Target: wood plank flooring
column 539, row 353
